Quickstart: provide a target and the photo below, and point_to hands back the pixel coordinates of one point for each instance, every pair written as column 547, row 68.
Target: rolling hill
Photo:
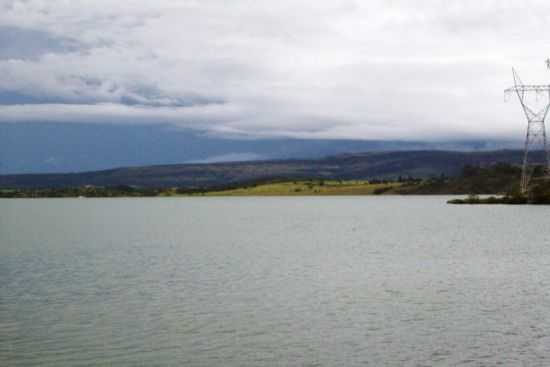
column 381, row 165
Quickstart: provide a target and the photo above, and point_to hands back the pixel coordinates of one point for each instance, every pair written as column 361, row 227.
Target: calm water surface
column 352, row 281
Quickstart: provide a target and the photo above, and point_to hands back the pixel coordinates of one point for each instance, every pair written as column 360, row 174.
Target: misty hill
column 382, row 165
column 48, row 147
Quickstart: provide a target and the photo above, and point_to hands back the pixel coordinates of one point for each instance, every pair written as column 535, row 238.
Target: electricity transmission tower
column 536, row 131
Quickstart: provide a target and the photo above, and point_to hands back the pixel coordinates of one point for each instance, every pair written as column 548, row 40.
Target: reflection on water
column 273, row 282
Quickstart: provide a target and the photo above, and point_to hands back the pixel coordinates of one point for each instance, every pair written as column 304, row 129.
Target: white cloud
column 231, row 157
column 343, row 69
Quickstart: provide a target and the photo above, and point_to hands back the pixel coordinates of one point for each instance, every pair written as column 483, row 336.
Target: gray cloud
column 20, row 43
column 335, row 69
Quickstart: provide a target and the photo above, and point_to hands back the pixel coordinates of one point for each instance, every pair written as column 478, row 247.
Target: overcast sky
column 320, row 69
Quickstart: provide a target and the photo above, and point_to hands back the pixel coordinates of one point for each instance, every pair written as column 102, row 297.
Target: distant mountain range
column 418, row 164
column 49, row 147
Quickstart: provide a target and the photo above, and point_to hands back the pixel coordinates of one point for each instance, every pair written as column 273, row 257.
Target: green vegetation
column 85, row 191
column 498, row 179
column 282, row 188
column 310, row 187
column 360, row 166
column 475, row 199
column 506, row 178
column 539, row 193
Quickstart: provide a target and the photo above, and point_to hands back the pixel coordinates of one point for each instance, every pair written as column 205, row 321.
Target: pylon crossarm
column 528, row 88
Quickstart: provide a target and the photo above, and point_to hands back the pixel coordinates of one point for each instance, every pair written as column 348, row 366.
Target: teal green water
column 335, row 281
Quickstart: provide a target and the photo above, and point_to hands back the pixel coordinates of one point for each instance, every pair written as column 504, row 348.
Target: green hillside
column 366, row 166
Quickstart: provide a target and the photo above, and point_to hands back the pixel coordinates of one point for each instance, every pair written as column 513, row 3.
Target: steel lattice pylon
column 536, row 130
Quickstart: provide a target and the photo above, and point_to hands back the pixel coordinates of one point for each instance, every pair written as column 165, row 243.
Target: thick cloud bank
column 374, row 69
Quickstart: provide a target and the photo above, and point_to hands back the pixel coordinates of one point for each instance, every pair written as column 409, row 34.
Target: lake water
column 331, row 281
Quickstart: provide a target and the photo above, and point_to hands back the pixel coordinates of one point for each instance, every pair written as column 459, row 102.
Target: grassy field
column 498, row 179
column 286, row 188
column 312, row 187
